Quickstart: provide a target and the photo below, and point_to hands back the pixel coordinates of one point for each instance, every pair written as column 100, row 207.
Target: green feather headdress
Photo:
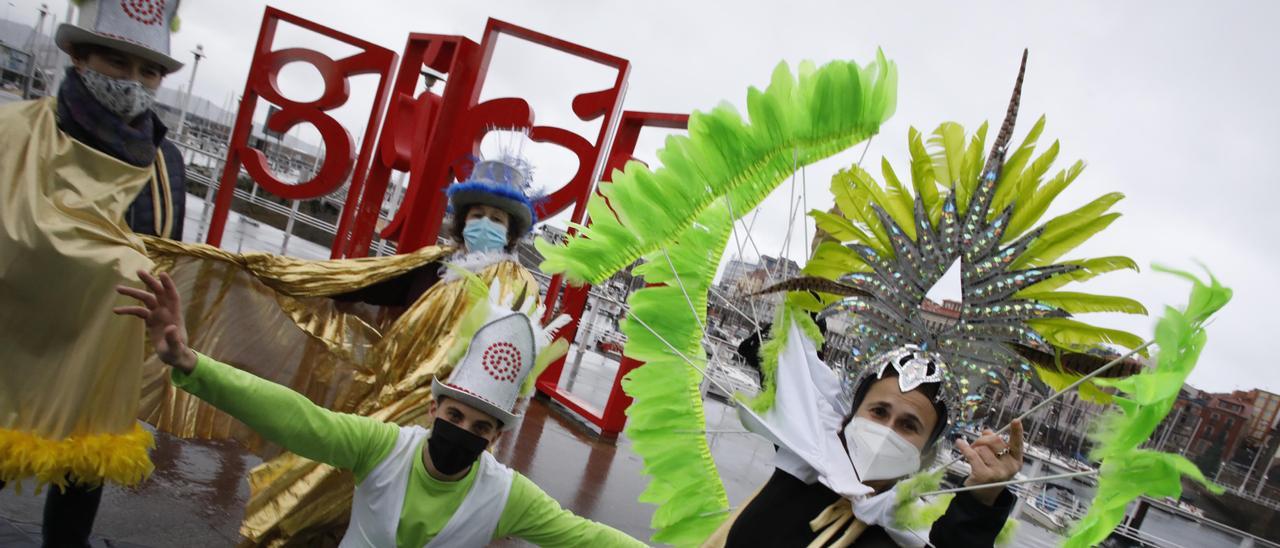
column 889, row 243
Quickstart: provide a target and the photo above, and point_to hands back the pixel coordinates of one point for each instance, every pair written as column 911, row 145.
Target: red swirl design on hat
column 147, row 12
column 502, row 361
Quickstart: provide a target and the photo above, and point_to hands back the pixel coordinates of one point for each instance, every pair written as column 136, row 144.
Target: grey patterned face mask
column 127, row 98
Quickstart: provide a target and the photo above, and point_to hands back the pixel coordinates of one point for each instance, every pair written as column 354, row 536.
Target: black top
column 402, row 290
column 781, row 512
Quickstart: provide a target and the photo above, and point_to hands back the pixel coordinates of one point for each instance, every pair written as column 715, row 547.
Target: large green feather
column 1072, row 334
column 1083, row 303
column 667, row 404
column 1067, row 223
column 947, row 160
column 1031, row 210
column 1067, row 231
column 898, row 200
column 926, row 170
column 1060, row 380
column 1013, row 167
column 1046, row 251
column 1028, row 182
column 1089, row 268
column 853, row 189
column 832, row 260
column 973, row 163
column 838, row 227
column 794, row 122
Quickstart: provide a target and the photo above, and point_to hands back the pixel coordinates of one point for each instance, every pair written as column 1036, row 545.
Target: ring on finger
column 1002, row 452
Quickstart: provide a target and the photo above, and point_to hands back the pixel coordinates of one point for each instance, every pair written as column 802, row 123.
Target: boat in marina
column 1053, row 506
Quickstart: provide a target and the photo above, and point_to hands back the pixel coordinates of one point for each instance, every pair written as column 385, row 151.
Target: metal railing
column 255, row 199
column 1245, row 486
column 1256, row 499
column 1126, row 529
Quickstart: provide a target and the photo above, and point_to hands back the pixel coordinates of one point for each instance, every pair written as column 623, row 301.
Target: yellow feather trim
column 88, row 460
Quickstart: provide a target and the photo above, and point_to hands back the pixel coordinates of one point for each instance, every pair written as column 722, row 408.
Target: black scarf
column 86, row 120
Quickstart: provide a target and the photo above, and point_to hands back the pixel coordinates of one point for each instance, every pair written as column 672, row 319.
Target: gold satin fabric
column 69, row 368
column 270, row 315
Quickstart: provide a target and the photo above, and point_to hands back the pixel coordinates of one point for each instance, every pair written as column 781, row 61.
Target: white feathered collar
column 474, row 262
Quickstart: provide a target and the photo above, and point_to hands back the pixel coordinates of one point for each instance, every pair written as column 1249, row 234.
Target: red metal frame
column 408, row 127
column 432, row 136
column 339, row 160
column 573, row 300
column 463, row 122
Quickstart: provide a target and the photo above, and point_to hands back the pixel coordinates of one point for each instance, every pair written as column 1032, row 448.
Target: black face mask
column 453, row 449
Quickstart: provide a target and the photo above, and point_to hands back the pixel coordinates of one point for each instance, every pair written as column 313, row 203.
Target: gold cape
column 272, row 316
column 69, row 368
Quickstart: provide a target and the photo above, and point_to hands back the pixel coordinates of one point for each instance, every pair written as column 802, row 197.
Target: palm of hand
column 162, row 311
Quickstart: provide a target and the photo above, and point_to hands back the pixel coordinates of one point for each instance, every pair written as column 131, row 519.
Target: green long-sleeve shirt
column 359, row 443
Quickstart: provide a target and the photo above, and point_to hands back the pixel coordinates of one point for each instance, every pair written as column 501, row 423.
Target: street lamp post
column 63, row 60
column 1257, row 453
column 1266, row 466
column 32, row 43
column 186, row 103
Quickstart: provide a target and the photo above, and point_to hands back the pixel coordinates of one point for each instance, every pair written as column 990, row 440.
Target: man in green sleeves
column 415, row 487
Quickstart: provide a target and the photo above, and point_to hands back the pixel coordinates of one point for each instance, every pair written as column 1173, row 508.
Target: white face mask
column 879, row 453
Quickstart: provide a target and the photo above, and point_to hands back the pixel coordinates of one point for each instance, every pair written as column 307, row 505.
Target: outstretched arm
column 534, row 516
column 273, row 411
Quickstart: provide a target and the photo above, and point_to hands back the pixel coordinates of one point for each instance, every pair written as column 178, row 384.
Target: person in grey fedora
column 120, row 54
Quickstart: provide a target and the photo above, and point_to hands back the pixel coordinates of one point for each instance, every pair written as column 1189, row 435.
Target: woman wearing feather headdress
column 847, row 439
column 363, row 336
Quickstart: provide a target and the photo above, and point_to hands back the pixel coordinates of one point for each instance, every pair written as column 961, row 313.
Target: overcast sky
column 1171, row 103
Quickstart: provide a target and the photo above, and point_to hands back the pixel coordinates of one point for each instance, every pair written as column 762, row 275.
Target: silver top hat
column 136, row 27
column 490, row 374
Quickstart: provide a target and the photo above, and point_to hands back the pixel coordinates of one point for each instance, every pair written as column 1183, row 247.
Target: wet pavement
column 601, row 480
column 195, row 497
column 197, row 494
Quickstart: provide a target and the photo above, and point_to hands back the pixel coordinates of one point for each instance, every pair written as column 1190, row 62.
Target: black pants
column 69, row 515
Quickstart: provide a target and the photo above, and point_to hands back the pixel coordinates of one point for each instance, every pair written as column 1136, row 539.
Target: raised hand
column 162, row 310
column 992, row 460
